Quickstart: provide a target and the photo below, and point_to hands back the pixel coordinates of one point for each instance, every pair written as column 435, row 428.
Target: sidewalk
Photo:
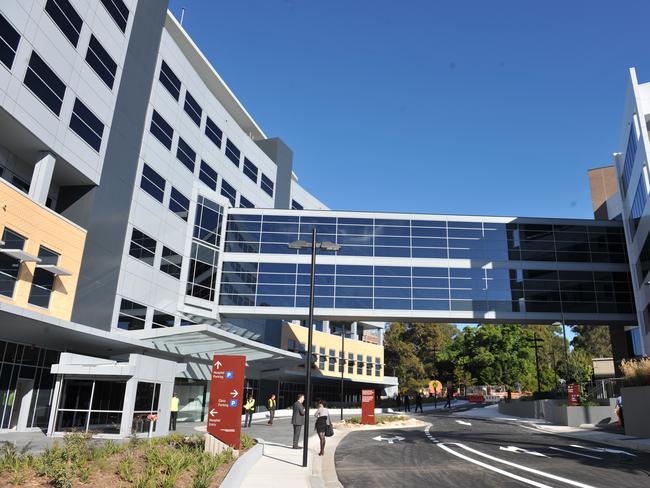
column 586, row 432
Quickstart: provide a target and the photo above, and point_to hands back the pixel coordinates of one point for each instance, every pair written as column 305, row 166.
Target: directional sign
column 368, row 407
column 227, row 386
column 390, row 440
column 519, row 449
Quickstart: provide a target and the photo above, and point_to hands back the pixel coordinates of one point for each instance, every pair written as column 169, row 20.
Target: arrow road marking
column 604, row 449
column 217, row 364
column 519, row 449
column 573, row 452
column 508, row 463
column 234, row 393
column 213, row 412
column 391, row 440
column 462, row 422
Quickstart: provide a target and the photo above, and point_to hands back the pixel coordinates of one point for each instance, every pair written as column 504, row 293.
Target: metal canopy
column 202, row 341
column 21, row 255
column 54, row 269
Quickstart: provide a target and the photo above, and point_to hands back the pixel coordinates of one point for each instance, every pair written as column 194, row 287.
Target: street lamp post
column 566, row 351
column 342, row 365
column 325, row 246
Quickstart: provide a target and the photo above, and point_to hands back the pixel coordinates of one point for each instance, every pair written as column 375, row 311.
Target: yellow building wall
column 41, row 226
column 322, row 339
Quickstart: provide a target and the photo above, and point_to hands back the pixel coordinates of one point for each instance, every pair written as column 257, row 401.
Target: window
column 19, row 183
column 245, row 202
column 161, row 130
column 119, row 11
column 228, row 191
column 66, row 18
column 147, row 397
column 207, row 175
column 44, row 83
column 192, row 108
column 630, row 155
column 213, row 132
column 341, row 361
column 250, row 170
column 185, row 154
column 179, row 204
column 169, row 80
column 43, row 280
column 267, row 184
column 132, row 315
column 359, row 364
column 170, row 263
column 86, row 125
column 321, row 359
column 9, row 266
column 350, row 363
column 232, row 152
column 161, row 320
column 377, row 366
column 202, row 277
column 369, row 365
column 9, row 39
column 100, row 61
column 332, row 360
column 638, row 204
column 142, row 247
column 295, row 205
column 152, row 183
column 207, row 222
column 75, row 412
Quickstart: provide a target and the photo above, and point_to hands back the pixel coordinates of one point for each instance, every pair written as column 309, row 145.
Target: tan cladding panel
column 41, row 226
column 329, row 341
column 603, row 185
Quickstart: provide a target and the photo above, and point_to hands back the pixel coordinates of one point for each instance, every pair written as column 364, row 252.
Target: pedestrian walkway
column 585, row 432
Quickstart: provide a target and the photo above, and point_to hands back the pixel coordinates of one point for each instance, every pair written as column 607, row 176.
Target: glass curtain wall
column 89, row 405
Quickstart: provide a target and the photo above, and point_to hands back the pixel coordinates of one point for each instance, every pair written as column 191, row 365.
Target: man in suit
column 298, row 419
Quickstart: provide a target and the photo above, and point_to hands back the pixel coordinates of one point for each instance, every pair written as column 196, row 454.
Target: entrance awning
column 201, row 341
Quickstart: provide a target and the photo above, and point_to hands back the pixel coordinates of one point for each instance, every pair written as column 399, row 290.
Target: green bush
column 246, row 442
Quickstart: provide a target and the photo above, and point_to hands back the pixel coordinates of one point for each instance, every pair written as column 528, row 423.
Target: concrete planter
column 636, row 402
column 557, row 412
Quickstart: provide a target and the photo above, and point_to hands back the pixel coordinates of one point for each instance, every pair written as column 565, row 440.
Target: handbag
column 329, row 430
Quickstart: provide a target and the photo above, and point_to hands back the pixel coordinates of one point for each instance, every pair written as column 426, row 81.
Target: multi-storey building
column 146, row 218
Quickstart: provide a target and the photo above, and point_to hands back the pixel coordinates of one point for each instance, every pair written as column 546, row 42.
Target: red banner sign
column 368, row 407
column 226, row 398
column 573, row 395
column 476, row 398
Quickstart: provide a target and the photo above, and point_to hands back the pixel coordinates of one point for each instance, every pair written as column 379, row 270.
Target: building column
column 55, row 405
column 353, row 330
column 42, row 178
column 126, row 427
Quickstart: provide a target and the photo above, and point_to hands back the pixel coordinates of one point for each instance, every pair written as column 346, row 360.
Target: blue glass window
column 185, row 154
column 161, row 130
column 228, row 191
column 152, row 183
column 213, row 132
column 630, row 155
column 207, row 175
column 250, row 170
column 179, row 204
column 267, row 185
column 169, row 80
column 192, row 108
column 9, row 40
column 232, row 152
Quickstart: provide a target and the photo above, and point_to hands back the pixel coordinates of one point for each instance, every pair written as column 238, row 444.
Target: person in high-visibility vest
column 271, row 406
column 173, row 410
column 249, row 408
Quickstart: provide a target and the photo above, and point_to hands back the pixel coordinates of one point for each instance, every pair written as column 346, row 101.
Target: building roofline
column 211, row 78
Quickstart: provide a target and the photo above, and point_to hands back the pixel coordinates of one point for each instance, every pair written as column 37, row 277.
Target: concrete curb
column 239, row 470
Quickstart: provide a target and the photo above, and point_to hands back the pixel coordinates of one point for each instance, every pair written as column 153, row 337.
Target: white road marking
column 604, row 449
column 390, row 440
column 462, row 422
column 518, row 466
column 573, row 452
column 519, row 449
column 492, row 468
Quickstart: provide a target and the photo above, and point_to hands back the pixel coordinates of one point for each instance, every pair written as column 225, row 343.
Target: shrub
column 636, row 371
column 246, row 442
column 125, row 469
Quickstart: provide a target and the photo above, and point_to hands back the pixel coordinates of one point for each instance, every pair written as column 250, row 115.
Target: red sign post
column 368, row 407
column 573, row 393
column 226, row 398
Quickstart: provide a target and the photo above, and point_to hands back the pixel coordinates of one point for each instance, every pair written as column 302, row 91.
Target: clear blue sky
column 477, row 107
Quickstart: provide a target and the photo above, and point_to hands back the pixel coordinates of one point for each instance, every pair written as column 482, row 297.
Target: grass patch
column 174, row 461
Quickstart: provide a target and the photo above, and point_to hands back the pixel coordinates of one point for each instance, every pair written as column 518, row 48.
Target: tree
column 401, row 359
column 430, row 341
column 594, row 340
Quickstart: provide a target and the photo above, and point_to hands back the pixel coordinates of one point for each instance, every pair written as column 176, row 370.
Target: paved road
column 483, row 454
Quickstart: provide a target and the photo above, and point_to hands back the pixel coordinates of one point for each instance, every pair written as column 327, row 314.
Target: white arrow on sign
column 213, row 412
column 217, row 364
column 462, row 422
column 519, row 449
column 234, row 393
column 604, row 449
column 390, row 440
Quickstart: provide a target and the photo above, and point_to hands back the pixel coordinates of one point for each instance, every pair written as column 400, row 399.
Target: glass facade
column 506, row 267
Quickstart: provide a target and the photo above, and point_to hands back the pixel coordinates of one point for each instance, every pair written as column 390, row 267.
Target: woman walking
column 322, row 422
